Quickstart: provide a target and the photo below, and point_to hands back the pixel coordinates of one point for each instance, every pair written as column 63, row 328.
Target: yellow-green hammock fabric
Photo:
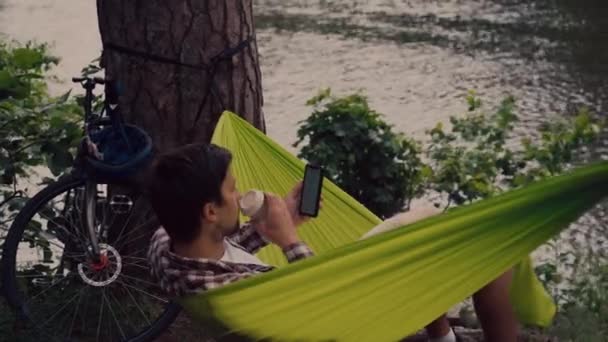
column 390, row 285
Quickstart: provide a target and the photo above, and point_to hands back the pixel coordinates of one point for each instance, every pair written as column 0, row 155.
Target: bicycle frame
column 90, row 194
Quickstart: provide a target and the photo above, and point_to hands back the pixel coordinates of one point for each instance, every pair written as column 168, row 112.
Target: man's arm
column 219, row 280
column 195, row 281
column 297, row 251
column 277, row 227
column 294, row 252
column 249, row 238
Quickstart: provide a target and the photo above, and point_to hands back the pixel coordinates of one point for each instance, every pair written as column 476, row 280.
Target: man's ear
column 209, row 212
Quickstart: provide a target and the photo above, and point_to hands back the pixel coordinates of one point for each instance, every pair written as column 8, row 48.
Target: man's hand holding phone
column 292, row 200
column 306, row 199
column 311, row 192
column 283, row 216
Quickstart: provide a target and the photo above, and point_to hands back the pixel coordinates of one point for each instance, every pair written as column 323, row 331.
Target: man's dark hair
column 182, row 181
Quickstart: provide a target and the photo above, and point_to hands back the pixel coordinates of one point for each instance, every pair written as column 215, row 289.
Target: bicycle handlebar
column 113, row 90
column 94, row 80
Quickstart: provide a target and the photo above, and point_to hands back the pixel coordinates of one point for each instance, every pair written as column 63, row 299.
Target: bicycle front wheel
column 55, row 287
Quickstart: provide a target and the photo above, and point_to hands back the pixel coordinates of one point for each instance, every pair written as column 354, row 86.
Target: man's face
column 228, row 212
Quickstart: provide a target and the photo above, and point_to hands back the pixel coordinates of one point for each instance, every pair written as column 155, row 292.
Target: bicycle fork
column 90, row 205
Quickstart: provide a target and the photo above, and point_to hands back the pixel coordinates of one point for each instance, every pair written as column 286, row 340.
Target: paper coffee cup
column 251, row 202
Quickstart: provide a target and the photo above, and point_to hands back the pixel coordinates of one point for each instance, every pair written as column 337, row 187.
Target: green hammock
column 389, row 285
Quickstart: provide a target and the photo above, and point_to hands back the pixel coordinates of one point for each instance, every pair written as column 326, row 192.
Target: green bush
column 35, row 128
column 473, row 160
column 584, row 314
column 476, row 159
column 467, row 161
column 361, row 153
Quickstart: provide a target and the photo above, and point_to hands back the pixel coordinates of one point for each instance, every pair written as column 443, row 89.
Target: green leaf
column 8, row 175
column 6, row 80
column 323, row 94
column 17, row 203
column 26, row 58
column 64, row 98
column 34, row 226
column 60, row 161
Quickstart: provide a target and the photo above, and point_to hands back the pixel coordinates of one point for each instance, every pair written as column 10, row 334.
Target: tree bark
column 168, row 100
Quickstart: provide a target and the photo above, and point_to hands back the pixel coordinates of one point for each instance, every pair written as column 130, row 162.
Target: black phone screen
column 311, row 191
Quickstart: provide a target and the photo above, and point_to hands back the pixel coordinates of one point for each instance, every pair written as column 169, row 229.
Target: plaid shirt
column 180, row 276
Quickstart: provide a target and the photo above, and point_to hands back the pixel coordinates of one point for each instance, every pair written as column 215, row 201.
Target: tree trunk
column 172, row 102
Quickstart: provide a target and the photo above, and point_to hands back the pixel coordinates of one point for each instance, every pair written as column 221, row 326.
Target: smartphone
column 311, row 191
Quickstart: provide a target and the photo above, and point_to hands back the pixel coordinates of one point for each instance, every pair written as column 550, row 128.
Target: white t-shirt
column 236, row 254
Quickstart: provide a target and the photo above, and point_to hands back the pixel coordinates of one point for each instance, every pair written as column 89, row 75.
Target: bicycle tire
column 16, row 231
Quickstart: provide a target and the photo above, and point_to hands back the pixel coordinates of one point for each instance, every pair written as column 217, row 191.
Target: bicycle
column 93, row 282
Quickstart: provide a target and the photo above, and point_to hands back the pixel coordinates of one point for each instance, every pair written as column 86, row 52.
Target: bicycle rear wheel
column 59, row 292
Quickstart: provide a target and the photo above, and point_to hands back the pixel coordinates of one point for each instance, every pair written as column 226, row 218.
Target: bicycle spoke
column 54, row 330
column 136, row 265
column 136, row 262
column 131, row 257
column 80, row 228
column 76, row 236
column 140, row 280
column 138, row 306
column 77, row 206
column 140, row 253
column 142, row 291
column 60, row 327
column 132, row 239
column 99, row 324
column 135, row 258
column 106, row 225
column 39, row 294
column 83, row 324
column 125, row 225
column 54, row 244
column 124, row 310
column 58, row 311
column 113, row 314
column 75, row 314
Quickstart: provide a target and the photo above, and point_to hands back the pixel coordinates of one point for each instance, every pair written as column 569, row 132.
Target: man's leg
column 438, row 328
column 495, row 312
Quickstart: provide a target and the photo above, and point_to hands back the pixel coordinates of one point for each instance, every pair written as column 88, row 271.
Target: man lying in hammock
column 202, row 245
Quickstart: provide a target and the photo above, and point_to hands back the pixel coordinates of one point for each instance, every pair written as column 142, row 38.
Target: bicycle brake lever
column 99, row 80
